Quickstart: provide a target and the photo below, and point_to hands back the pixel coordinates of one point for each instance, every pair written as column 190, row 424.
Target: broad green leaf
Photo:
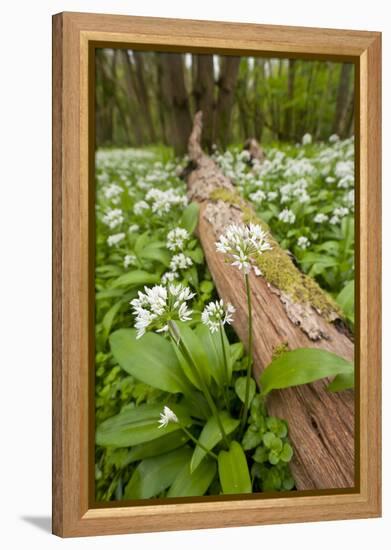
column 193, row 484
column 109, row 293
column 237, row 351
column 346, row 300
column 211, row 344
column 163, row 444
column 189, row 218
column 302, row 366
column 141, row 242
column 211, row 435
column 342, row 382
column 109, row 317
column 240, row 388
column 154, row 475
column 153, row 252
column 196, row 255
column 138, row 425
column 151, row 359
column 137, row 277
column 321, row 260
column 194, row 349
column 233, row 470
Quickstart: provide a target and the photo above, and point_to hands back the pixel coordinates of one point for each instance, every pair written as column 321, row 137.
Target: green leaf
column 154, row 475
column 211, row 435
column 137, row 277
column 194, row 349
column 153, row 252
column 342, row 382
column 196, row 255
column 233, row 470
column 189, row 218
column 346, row 300
column 141, row 242
column 237, row 351
column 138, row 425
column 163, row 444
column 151, row 359
column 109, row 317
column 211, row 343
column 193, row 484
column 286, row 453
column 240, row 388
column 302, row 366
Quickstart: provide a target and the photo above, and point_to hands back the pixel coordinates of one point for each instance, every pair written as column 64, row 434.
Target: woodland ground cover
column 145, row 238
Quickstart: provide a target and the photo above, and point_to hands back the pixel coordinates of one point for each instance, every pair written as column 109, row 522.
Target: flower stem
column 182, row 348
column 225, row 389
column 197, row 442
column 249, row 354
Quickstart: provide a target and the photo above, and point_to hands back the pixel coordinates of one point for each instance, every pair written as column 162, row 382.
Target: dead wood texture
column 321, row 423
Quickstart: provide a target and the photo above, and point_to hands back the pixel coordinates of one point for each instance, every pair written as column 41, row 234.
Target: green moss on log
column 278, row 268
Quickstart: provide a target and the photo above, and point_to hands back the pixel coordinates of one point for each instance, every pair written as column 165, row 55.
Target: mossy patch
column 278, row 268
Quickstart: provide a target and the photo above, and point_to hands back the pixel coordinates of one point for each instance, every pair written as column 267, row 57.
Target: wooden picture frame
column 75, row 35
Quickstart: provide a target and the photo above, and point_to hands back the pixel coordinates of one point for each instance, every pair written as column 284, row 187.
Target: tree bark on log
column 321, row 424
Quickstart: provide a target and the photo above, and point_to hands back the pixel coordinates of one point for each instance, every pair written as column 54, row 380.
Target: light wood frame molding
column 74, row 37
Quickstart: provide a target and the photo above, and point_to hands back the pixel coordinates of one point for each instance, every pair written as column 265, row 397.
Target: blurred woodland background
column 149, row 98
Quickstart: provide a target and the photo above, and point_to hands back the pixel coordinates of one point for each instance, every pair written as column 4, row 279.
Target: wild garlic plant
column 242, row 245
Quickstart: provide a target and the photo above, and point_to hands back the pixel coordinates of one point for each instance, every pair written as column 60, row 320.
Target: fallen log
column 289, row 310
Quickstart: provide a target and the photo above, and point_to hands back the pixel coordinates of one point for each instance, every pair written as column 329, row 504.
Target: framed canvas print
column 216, row 298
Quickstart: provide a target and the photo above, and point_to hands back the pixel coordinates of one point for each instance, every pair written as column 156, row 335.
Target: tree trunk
column 134, row 101
column 225, row 100
column 203, row 91
column 342, row 98
column 288, row 309
column 290, row 94
column 143, row 94
column 176, row 99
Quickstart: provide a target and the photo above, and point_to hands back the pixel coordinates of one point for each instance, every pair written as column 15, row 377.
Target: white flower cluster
column 242, row 244
column 216, row 314
column 177, row 238
column 180, row 262
column 155, row 307
column 113, row 240
column 306, row 139
column 338, row 214
column 287, row 216
column 303, row 242
column 258, row 196
column 295, row 191
column 321, row 218
column 113, row 217
column 139, row 207
column 163, row 201
column 166, row 417
column 112, row 192
column 129, row 259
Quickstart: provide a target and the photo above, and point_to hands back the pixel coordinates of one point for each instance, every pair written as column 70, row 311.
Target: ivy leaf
column 302, row 366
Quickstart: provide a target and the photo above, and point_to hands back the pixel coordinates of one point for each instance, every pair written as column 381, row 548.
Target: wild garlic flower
column 112, row 192
column 287, row 216
column 155, row 307
column 139, row 207
column 258, row 196
column 180, row 262
column 242, row 244
column 166, row 417
column 334, row 138
column 163, row 201
column 113, row 217
column 341, row 212
column 216, row 314
column 112, row 240
column 169, row 276
column 303, row 242
column 177, row 238
column 320, row 218
column 129, row 259
column 307, row 139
